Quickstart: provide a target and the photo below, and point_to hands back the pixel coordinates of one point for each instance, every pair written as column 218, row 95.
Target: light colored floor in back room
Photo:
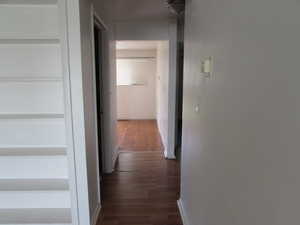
column 139, row 135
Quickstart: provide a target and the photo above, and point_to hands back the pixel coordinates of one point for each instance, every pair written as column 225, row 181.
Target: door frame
column 98, row 22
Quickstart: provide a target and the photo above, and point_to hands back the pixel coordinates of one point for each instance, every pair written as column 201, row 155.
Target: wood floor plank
column 139, row 135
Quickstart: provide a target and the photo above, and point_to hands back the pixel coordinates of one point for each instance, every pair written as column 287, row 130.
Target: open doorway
column 142, row 95
column 98, row 31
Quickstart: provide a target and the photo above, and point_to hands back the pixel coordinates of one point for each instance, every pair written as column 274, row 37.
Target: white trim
column 166, row 153
column 30, row 2
column 100, row 21
column 31, row 79
column 96, row 20
column 107, row 153
column 172, row 89
column 182, row 213
column 22, row 150
column 169, row 155
column 64, row 7
column 27, row 41
column 40, row 39
column 31, row 115
column 115, row 157
column 96, row 214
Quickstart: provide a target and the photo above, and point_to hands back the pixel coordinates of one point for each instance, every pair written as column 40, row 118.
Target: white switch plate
column 206, row 67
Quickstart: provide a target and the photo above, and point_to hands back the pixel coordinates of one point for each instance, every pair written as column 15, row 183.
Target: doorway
column 138, row 99
column 179, row 85
column 98, row 57
column 143, row 179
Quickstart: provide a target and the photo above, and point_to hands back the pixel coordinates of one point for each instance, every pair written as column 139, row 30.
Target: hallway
column 139, row 135
column 144, row 188
column 142, row 191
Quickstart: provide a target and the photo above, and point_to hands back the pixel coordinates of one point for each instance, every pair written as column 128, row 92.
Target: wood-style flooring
column 143, row 189
column 139, row 135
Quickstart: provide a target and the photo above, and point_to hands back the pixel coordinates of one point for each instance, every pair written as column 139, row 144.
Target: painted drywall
column 137, row 102
column 162, row 91
column 142, row 30
column 90, row 122
column 240, row 162
column 106, row 9
column 137, row 10
column 83, row 102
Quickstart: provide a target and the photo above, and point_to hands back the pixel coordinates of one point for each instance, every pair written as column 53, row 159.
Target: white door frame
column 170, row 154
column 97, row 21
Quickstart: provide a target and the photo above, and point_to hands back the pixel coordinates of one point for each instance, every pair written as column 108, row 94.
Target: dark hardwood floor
column 143, row 190
column 139, row 135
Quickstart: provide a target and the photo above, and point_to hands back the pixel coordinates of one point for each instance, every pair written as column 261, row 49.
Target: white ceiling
column 137, row 45
column 141, row 10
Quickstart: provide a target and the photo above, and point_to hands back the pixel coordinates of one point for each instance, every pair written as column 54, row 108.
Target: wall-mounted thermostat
column 206, row 67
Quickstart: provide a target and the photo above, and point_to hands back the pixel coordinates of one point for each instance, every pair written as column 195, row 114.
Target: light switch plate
column 206, row 67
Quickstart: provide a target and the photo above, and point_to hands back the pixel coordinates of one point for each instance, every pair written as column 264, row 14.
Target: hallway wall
column 142, row 30
column 240, row 162
column 83, row 102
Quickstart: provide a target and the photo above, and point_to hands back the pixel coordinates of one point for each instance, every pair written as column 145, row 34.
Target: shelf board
column 54, row 216
column 32, row 150
column 30, row 79
column 34, row 200
column 33, row 184
column 28, row 41
column 29, row 2
column 31, row 115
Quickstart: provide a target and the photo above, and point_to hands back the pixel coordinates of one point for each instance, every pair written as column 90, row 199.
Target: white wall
column 142, row 30
column 240, row 161
column 89, row 105
column 90, row 122
column 83, row 102
column 162, row 91
column 136, row 102
column 105, row 9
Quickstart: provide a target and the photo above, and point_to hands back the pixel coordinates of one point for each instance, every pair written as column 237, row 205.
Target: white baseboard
column 115, row 157
column 182, row 213
column 168, row 155
column 110, row 167
column 96, row 214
